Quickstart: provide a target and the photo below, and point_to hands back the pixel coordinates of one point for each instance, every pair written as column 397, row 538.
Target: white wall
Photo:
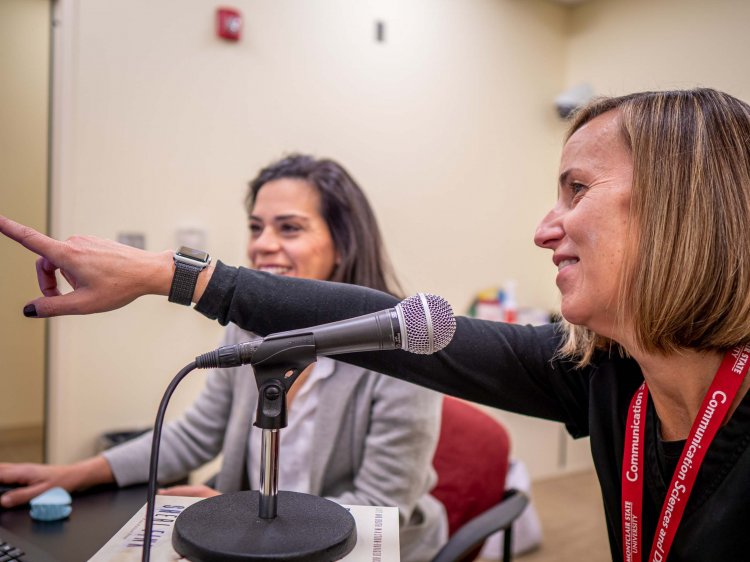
column 623, row 46
column 448, row 125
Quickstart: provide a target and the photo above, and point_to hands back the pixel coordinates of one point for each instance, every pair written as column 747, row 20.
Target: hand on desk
column 197, row 491
column 33, row 479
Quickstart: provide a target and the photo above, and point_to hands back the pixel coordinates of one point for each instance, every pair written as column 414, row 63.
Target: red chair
column 471, row 461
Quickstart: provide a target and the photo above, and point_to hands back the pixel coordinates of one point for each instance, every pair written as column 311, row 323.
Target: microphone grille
column 427, row 322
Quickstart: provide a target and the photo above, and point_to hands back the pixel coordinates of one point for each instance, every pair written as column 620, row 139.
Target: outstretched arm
column 505, row 366
column 104, row 275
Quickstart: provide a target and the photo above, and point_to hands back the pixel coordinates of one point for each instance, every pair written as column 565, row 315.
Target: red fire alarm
column 228, row 24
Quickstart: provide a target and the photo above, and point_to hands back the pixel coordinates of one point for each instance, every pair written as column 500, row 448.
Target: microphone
column 421, row 324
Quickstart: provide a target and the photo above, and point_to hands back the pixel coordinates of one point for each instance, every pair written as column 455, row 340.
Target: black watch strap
column 183, row 283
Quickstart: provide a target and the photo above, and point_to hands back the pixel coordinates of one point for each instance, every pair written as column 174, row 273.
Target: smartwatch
column 188, row 263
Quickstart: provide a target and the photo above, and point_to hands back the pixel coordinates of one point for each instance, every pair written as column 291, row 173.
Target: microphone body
column 371, row 332
column 421, row 324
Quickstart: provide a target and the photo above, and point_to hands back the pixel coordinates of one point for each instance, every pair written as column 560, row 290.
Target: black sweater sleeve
column 501, row 365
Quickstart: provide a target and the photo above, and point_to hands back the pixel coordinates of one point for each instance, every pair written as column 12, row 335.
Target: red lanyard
column 712, row 412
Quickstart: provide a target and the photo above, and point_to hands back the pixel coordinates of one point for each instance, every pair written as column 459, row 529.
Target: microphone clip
column 277, row 363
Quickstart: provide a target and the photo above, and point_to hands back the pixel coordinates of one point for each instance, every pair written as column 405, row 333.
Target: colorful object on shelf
column 499, row 304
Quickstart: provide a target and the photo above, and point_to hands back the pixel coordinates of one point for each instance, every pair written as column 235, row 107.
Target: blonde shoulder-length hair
column 686, row 284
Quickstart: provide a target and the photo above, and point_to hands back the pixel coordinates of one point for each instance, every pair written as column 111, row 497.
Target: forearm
column 180, row 452
column 500, row 365
column 93, row 472
column 265, row 303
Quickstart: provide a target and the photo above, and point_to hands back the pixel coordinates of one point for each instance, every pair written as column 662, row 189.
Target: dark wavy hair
column 346, row 211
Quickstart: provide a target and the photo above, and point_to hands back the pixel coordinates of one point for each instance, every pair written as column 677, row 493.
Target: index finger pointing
column 29, row 238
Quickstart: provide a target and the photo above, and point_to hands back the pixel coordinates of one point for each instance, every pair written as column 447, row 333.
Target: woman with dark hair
column 649, row 236
column 346, row 211
column 354, row 436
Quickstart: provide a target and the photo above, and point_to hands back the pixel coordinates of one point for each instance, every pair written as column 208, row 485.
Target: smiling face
column 587, row 229
column 288, row 235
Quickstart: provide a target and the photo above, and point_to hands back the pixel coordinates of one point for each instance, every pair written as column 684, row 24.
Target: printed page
column 377, row 534
column 127, row 544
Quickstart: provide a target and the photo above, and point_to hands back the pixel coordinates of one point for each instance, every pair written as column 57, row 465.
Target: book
column 377, row 534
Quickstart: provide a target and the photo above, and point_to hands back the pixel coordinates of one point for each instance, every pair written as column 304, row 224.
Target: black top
column 514, row 368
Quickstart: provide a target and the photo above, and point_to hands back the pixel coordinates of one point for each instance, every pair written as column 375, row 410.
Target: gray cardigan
column 373, row 444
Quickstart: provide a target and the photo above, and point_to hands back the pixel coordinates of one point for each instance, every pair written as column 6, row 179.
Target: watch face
column 198, row 255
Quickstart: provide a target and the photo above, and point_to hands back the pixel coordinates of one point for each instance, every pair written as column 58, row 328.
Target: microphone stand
column 268, row 524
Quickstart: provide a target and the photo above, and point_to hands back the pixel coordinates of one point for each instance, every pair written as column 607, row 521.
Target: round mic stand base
column 227, row 528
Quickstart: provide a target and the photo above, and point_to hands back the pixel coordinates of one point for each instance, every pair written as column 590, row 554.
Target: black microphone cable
column 154, row 462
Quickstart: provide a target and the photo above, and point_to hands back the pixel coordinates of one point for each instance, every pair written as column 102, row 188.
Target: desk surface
column 97, row 516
